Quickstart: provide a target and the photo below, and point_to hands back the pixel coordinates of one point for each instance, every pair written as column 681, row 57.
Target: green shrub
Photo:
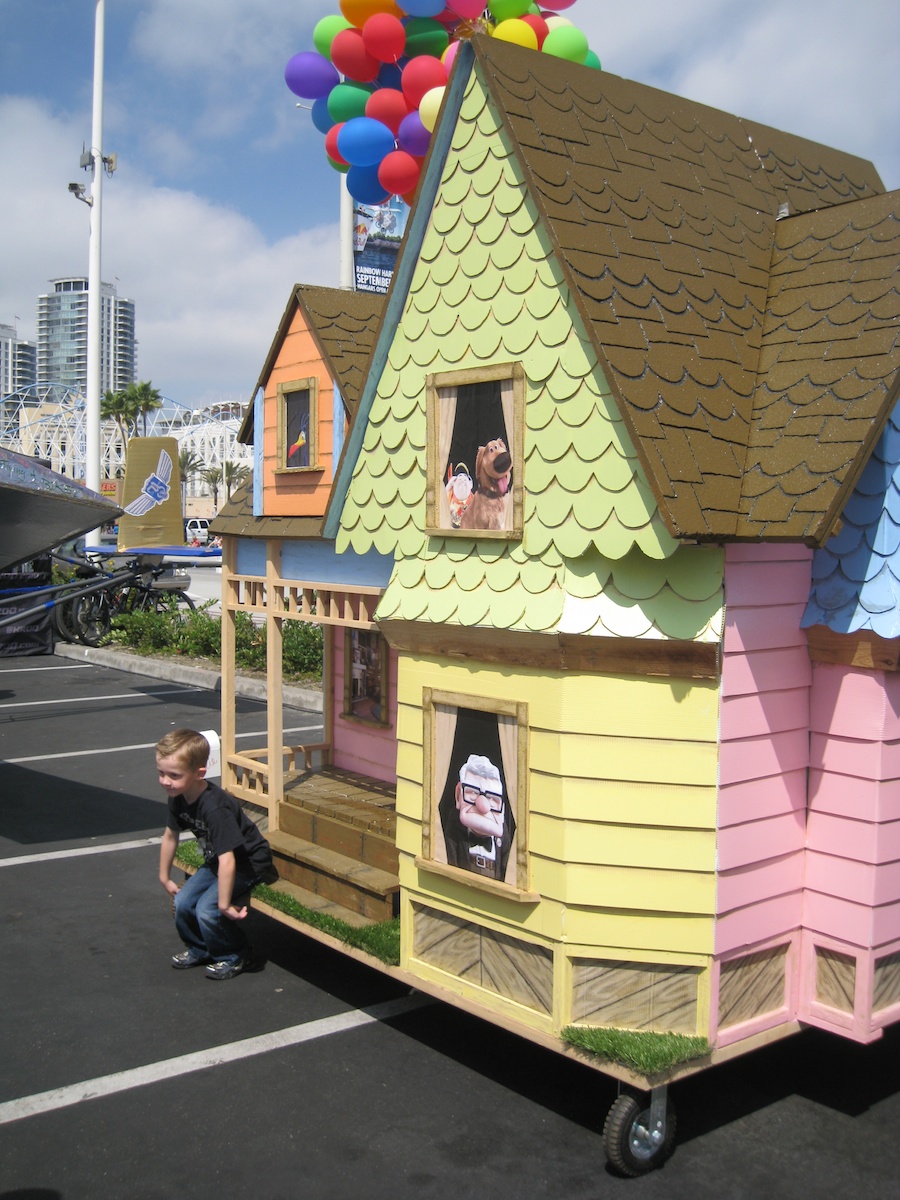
column 199, row 635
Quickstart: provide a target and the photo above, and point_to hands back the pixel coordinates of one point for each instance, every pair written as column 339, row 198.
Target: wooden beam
column 557, row 652
column 863, row 649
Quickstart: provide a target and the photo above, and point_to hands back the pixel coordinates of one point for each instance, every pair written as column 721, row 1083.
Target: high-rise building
column 62, row 320
column 18, row 361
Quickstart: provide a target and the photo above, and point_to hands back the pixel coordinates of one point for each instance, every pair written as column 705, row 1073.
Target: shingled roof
column 344, row 325
column 754, row 359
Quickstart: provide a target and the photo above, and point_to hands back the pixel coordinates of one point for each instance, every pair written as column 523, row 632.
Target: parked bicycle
column 144, row 586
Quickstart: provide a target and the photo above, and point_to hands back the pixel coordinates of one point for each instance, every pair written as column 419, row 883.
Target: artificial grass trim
column 381, row 940
column 644, row 1052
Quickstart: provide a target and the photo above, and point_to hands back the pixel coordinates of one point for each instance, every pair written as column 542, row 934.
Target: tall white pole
column 347, row 274
column 95, row 299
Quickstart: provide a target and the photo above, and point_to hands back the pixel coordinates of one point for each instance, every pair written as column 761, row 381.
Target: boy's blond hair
column 187, row 746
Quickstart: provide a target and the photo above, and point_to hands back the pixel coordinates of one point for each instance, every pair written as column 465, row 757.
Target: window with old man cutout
column 474, row 454
column 476, row 821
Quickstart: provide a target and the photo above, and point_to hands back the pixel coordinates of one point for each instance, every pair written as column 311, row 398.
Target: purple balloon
column 311, row 75
column 364, row 142
column 413, row 137
column 363, row 185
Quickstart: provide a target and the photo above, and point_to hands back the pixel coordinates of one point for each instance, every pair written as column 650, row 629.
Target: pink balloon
column 469, row 9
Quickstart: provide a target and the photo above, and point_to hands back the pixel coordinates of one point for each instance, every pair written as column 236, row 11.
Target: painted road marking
column 186, row 1064
column 102, row 699
column 138, row 746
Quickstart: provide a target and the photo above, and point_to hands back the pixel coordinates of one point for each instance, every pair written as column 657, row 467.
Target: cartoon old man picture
column 479, row 827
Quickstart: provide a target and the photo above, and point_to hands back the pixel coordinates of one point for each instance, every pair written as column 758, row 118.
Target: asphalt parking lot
column 316, row 1077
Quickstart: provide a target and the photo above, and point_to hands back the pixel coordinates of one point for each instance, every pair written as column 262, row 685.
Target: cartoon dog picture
column 493, row 473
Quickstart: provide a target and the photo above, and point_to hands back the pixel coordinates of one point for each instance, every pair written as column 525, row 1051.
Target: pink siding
column 359, row 746
column 853, row 834
column 764, row 746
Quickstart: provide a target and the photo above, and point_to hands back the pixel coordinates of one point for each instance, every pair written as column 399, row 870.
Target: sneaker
column 225, row 970
column 187, row 958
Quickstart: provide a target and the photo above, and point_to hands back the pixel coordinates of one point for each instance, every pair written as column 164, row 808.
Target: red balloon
column 399, row 173
column 331, row 144
column 388, row 106
column 420, row 75
column 538, row 24
column 384, row 37
column 350, row 56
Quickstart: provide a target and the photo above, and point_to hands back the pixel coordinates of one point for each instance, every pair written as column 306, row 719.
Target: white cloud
column 208, row 289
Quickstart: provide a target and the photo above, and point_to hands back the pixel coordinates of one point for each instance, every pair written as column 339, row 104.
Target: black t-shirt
column 220, row 825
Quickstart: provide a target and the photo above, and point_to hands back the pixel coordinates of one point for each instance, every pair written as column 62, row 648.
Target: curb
column 176, row 672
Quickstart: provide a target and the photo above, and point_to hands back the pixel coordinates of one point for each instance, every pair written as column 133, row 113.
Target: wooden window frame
column 287, row 389
column 347, row 713
column 437, row 522
column 433, row 857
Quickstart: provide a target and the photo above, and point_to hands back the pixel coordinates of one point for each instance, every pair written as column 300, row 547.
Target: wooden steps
column 338, row 878
column 319, row 904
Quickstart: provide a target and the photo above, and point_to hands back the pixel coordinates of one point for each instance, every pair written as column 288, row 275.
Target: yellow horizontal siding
column 623, row 845
column 409, row 763
column 656, row 760
column 653, row 934
column 623, row 887
column 691, row 806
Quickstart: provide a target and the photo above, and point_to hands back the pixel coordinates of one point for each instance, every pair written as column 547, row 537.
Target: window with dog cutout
column 474, row 826
column 474, row 452
column 298, row 425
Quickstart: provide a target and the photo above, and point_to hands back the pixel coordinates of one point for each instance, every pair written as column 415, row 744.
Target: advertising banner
column 377, row 233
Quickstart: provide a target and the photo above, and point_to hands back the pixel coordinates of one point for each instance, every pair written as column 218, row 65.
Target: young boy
column 236, row 857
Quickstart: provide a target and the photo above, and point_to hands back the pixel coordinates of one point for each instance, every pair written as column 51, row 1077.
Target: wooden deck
column 345, row 796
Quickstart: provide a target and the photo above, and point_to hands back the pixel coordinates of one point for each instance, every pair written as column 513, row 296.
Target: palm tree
column 234, row 475
column 121, row 408
column 189, row 464
column 212, row 477
column 145, row 398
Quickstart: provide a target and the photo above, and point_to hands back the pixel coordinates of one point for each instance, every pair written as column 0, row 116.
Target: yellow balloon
column 429, row 107
column 518, row 32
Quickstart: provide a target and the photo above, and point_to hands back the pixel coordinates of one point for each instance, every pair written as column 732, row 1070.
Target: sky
column 223, row 199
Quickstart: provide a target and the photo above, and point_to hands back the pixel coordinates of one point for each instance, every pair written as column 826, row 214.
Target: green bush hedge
column 199, row 635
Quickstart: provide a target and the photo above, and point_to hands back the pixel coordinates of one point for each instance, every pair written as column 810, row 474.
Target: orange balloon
column 357, row 12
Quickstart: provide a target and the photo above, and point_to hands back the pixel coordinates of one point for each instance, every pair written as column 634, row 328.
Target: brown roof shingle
column 664, row 216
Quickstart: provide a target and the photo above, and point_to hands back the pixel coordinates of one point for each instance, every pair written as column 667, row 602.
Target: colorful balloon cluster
column 379, row 71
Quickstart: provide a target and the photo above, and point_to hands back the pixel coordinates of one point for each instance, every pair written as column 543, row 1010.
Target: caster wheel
column 633, row 1146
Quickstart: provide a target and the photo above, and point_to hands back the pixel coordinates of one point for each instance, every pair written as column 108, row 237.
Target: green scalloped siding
column 486, row 289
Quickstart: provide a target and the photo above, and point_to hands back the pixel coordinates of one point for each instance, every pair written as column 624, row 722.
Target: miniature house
column 607, row 567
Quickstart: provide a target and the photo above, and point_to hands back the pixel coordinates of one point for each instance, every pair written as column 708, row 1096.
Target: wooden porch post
column 274, row 688
column 228, row 666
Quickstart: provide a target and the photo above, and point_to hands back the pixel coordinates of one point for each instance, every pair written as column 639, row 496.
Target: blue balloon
column 423, row 8
column 391, row 75
column 364, row 186
column 364, row 142
column 321, row 117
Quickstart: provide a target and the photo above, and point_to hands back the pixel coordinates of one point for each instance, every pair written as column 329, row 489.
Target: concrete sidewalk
column 175, row 671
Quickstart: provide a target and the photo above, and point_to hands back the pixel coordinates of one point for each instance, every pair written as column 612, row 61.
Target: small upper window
column 474, row 441
column 297, row 425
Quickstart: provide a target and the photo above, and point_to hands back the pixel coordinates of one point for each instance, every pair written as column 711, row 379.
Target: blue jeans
column 205, row 931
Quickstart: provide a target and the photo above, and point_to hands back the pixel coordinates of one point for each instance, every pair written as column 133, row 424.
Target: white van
column 196, row 528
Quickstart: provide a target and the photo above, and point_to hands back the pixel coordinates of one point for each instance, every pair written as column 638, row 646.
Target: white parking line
column 65, row 667
column 109, row 1085
column 78, row 852
column 103, row 698
column 137, row 746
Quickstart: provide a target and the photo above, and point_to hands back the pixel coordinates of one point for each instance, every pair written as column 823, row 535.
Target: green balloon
column 592, row 60
column 566, row 42
column 343, row 168
column 346, row 100
column 326, row 31
column 505, row 10
column 425, row 36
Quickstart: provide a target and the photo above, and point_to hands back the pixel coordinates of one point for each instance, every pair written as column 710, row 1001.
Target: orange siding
column 298, row 494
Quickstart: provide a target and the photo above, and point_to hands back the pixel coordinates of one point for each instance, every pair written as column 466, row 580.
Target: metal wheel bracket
column 658, row 1105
